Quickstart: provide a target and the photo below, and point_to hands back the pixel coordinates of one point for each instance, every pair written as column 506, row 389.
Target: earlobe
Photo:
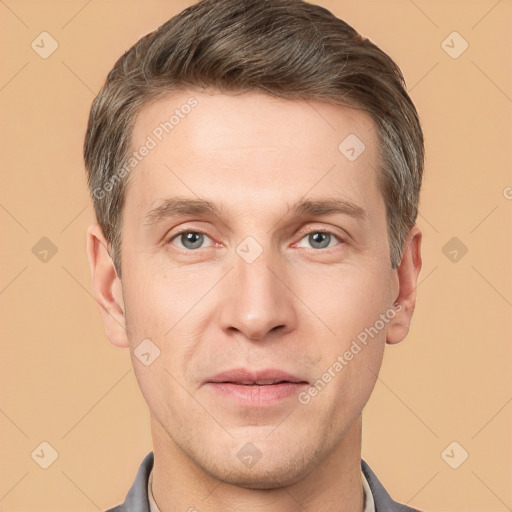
column 107, row 287
column 407, row 275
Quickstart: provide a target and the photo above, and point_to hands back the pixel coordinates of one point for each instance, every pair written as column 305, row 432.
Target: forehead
column 252, row 149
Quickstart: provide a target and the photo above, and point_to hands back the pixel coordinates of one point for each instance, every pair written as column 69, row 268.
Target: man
column 255, row 169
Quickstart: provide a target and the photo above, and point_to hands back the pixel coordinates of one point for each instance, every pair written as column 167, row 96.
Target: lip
column 252, row 388
column 245, row 376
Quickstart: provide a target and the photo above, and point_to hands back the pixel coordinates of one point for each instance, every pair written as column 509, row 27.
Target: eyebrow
column 174, row 206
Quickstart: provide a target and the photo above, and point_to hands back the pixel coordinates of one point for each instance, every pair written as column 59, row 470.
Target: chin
column 263, row 479
column 272, row 473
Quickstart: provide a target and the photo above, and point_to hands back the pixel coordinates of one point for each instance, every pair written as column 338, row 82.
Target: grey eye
column 190, row 240
column 319, row 240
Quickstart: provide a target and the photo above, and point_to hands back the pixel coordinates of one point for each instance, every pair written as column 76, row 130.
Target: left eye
column 320, row 239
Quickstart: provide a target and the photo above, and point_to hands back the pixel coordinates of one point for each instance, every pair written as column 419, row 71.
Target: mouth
column 254, row 388
column 264, row 377
column 257, row 383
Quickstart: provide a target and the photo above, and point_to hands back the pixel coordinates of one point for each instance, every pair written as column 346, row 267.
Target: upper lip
column 248, row 377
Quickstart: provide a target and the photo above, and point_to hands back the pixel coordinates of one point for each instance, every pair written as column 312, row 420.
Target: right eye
column 189, row 240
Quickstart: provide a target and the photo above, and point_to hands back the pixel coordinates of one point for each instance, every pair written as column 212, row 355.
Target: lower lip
column 257, row 396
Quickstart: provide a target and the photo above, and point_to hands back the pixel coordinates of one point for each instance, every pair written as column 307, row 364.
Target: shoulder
column 383, row 501
column 137, row 498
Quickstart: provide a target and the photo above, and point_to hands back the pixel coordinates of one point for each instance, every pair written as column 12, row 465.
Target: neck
column 334, row 485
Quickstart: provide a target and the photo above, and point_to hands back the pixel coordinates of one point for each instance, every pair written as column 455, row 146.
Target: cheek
column 154, row 301
column 162, row 308
column 348, row 299
column 350, row 302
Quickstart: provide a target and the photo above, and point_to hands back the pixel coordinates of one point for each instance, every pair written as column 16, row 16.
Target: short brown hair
column 285, row 48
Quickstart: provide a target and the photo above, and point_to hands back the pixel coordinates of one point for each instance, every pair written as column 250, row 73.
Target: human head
column 238, row 160
column 285, row 48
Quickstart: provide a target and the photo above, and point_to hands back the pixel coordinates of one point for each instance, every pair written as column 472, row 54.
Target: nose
column 259, row 302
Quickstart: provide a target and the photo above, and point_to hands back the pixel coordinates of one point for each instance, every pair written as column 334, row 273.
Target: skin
column 297, row 307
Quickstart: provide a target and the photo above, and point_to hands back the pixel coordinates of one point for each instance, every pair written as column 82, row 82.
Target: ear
column 107, row 287
column 407, row 276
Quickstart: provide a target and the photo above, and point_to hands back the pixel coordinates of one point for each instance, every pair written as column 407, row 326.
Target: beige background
column 64, row 384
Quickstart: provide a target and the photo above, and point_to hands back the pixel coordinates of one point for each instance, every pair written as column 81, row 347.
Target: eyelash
column 302, row 236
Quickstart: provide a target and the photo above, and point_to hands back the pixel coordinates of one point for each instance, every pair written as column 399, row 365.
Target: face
column 255, row 259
